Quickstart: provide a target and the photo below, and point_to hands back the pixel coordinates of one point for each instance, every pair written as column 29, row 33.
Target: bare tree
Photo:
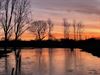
column 50, row 27
column 80, row 30
column 6, row 17
column 1, row 2
column 1, row 6
column 66, row 29
column 21, row 17
column 39, row 29
column 74, row 29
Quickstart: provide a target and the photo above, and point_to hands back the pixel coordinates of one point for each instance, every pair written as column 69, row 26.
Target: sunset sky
column 86, row 11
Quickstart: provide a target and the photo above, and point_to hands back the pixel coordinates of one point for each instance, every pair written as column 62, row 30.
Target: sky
column 85, row 11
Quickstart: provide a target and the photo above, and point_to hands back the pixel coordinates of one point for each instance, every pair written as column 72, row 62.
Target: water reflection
column 50, row 61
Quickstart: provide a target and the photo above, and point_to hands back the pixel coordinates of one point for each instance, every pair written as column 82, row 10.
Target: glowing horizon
column 85, row 11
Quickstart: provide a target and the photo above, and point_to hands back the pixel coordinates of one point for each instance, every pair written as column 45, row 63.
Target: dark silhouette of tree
column 66, row 29
column 1, row 2
column 50, row 27
column 1, row 6
column 21, row 17
column 74, row 29
column 39, row 29
column 7, row 17
column 80, row 30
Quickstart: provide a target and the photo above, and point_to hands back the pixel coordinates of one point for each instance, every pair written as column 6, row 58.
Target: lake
column 56, row 61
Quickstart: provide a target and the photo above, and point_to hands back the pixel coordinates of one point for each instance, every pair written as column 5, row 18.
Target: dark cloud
column 83, row 6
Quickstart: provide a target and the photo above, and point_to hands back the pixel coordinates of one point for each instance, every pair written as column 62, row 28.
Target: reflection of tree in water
column 68, row 61
column 50, row 61
column 6, row 65
column 40, row 67
column 81, row 66
column 18, row 62
column 78, row 67
column 17, row 69
column 7, row 70
column 72, row 61
column 43, row 65
column 76, row 61
column 47, row 65
column 56, row 62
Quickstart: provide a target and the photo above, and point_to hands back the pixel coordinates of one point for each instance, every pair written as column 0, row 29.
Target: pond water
column 57, row 61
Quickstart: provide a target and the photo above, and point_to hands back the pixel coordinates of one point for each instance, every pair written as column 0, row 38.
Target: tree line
column 15, row 20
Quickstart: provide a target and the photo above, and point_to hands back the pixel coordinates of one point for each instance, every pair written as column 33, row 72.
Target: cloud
column 83, row 6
